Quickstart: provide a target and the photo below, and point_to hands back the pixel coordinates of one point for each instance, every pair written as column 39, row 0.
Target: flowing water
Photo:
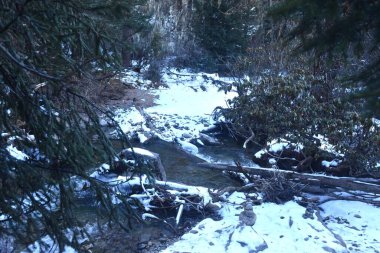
column 183, row 168
column 180, row 167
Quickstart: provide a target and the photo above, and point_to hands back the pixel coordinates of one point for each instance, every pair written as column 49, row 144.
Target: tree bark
column 126, row 51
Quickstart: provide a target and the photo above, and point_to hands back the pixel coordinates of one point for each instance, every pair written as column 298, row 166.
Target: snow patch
column 357, row 223
column 260, row 153
column 278, row 228
column 183, row 108
column 326, row 146
column 333, row 163
column 142, row 152
column 19, row 155
column 278, row 147
column 188, row 147
column 129, row 119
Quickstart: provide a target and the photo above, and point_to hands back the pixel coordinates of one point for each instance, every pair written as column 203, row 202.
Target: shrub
column 297, row 107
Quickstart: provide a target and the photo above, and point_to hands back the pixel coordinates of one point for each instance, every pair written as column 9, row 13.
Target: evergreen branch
column 14, row 20
column 22, row 65
column 70, row 91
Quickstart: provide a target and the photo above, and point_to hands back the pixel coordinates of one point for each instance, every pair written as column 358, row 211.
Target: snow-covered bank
column 357, row 223
column 182, row 109
column 340, row 226
column 278, row 228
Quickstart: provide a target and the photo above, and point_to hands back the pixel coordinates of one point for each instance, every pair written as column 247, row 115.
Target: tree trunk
column 126, row 51
column 348, row 183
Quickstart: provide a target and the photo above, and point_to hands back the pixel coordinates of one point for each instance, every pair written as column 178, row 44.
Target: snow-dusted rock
column 142, row 154
column 188, row 147
column 208, row 140
column 248, row 217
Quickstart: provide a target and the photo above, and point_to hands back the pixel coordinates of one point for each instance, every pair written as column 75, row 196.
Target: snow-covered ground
column 349, row 226
column 340, row 226
column 182, row 110
column 357, row 223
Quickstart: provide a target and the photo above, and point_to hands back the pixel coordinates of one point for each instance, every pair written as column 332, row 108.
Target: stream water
column 180, row 167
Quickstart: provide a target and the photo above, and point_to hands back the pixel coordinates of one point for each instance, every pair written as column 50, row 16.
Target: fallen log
column 348, row 183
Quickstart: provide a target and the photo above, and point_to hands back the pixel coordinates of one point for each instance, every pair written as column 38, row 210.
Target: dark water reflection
column 183, row 168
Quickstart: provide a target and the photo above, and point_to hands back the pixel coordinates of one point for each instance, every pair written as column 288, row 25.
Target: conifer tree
column 348, row 29
column 222, row 29
column 46, row 49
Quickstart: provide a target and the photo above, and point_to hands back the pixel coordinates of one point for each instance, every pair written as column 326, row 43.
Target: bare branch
column 249, row 138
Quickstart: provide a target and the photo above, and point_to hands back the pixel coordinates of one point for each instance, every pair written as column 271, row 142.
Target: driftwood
column 348, row 183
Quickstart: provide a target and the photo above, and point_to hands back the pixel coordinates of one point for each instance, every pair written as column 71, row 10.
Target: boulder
column 151, row 158
column 208, row 140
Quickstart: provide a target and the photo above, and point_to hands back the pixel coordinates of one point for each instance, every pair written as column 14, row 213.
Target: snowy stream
column 183, row 168
column 181, row 111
